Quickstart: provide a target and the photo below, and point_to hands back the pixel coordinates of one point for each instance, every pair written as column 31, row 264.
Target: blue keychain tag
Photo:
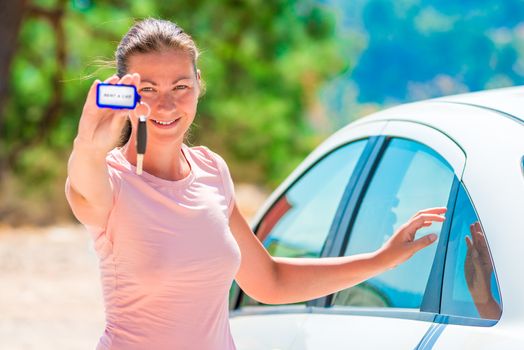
column 117, row 96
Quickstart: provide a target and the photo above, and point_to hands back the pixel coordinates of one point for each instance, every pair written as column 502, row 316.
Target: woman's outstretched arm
column 88, row 189
column 275, row 280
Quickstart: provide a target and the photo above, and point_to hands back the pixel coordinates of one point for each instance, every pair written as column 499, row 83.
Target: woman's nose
column 165, row 102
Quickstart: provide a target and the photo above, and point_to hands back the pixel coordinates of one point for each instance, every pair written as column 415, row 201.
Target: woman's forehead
column 172, row 64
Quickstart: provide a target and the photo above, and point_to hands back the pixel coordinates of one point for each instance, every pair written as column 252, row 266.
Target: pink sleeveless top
column 167, row 257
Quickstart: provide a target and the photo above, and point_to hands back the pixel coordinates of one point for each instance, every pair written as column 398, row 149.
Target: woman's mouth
column 164, row 124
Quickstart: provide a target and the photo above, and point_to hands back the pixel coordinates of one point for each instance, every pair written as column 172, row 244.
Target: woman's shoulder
column 214, row 163
column 206, row 156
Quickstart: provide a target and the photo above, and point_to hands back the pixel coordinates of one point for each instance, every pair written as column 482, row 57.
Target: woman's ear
column 201, row 84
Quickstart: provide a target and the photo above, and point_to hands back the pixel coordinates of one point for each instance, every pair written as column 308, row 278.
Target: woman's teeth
column 164, row 123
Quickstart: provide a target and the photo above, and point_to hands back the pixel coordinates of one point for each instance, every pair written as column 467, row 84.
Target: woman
column 171, row 241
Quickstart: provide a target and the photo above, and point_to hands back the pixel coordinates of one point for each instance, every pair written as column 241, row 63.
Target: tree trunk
column 11, row 14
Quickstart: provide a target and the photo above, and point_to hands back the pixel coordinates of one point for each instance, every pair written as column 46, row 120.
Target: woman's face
column 170, row 86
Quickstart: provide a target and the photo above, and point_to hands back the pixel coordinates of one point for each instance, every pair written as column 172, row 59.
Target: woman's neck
column 165, row 161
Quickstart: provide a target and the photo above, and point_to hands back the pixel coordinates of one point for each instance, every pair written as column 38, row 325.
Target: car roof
column 507, row 102
column 492, row 116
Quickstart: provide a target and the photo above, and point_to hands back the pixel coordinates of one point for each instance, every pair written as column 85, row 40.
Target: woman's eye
column 146, row 89
column 181, row 87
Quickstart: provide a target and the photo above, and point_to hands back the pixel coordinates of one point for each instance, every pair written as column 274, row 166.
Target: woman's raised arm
column 88, row 189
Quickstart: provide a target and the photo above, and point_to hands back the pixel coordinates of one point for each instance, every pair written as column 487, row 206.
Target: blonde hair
column 153, row 35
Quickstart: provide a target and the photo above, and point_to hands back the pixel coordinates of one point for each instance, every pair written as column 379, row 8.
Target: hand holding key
column 101, row 128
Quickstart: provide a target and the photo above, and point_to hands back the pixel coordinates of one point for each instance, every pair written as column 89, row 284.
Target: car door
column 418, row 168
column 297, row 224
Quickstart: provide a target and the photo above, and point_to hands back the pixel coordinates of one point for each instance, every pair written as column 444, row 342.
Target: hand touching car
column 478, row 269
column 402, row 245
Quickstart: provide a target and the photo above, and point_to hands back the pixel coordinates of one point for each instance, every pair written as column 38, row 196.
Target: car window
column 298, row 224
column 410, row 177
column 470, row 286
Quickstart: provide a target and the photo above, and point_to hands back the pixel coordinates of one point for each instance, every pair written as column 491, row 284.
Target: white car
column 466, row 291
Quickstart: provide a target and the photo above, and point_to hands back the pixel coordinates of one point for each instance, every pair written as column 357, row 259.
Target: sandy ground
column 50, row 294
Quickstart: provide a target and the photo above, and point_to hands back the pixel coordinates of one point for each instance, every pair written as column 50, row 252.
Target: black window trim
column 352, row 196
column 350, row 202
column 405, row 314
column 433, row 294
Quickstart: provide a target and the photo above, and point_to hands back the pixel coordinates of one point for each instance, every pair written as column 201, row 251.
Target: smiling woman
column 171, row 87
column 171, row 241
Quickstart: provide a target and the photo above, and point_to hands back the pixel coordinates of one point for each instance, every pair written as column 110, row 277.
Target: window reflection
column 410, row 177
column 279, row 209
column 478, row 271
column 470, row 285
column 299, row 222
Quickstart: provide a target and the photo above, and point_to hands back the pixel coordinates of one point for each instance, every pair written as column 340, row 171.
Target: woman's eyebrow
column 181, row 78
column 148, row 81
column 174, row 82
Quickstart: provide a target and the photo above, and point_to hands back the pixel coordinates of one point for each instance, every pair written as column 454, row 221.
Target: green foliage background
column 281, row 75
column 262, row 61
